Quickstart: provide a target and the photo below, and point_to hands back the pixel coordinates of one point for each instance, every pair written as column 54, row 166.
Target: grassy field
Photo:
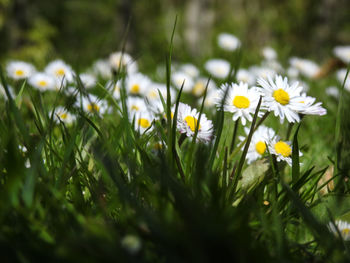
column 116, row 167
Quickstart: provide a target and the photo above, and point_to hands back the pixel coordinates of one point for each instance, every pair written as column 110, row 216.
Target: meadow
column 189, row 163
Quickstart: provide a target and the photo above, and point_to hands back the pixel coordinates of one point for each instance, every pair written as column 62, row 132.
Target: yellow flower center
column 60, row 72
column 134, row 107
column 42, row 83
column 192, row 123
column 153, row 94
column 198, row 89
column 283, row 149
column 241, row 102
column 135, row 89
column 63, row 116
column 281, row 96
column 345, row 231
column 260, row 147
column 144, row 123
column 93, row 107
column 19, row 72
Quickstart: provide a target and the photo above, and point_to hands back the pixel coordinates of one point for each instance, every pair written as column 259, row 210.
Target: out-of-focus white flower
column 269, row 53
column 88, row 80
column 240, row 100
column 342, row 226
column 262, row 72
column 292, row 72
column 131, row 243
column 228, row 42
column 43, row 81
column 19, row 70
column 135, row 104
column 137, row 84
column 341, row 76
column 343, row 53
column 332, row 91
column 257, row 146
column 200, row 85
column 143, row 121
column 306, row 67
column 115, row 88
column 62, row 115
column 190, row 69
column 178, row 78
column 211, row 99
column 102, row 68
column 281, row 98
column 245, row 76
column 3, row 92
column 152, row 92
column 218, row 68
column 124, row 60
column 93, row 105
column 187, row 123
column 60, row 70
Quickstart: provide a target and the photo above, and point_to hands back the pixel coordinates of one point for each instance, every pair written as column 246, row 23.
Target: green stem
column 234, row 135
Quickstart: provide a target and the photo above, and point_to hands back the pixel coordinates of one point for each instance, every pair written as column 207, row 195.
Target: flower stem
column 234, row 135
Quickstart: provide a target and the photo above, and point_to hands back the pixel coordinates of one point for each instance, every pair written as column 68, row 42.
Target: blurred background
column 81, row 31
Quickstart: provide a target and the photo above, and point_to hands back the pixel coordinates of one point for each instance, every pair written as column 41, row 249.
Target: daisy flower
column 93, row 104
column 257, row 146
column 19, row 70
column 228, row 42
column 246, row 76
column 178, row 78
column 218, row 68
column 137, row 84
column 262, row 72
column 135, row 104
column 309, row 107
column 115, row 88
column 343, row 53
column 306, row 67
column 152, row 92
column 60, row 70
column 211, row 98
column 200, row 85
column 61, row 114
column 124, row 60
column 143, row 121
column 342, row 226
column 43, row 81
column 282, row 149
column 332, row 91
column 281, row 98
column 269, row 53
column 190, row 70
column 240, row 100
column 187, row 121
column 102, row 68
column 88, row 80
column 340, row 74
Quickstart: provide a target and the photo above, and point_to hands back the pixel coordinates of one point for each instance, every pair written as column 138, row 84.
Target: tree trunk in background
column 199, row 21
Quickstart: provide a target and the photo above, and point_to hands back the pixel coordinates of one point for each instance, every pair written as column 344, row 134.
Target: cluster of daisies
column 285, row 97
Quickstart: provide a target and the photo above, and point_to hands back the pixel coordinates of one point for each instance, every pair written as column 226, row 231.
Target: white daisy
column 137, row 84
column 282, row 149
column 19, row 70
column 332, row 91
column 135, row 104
column 257, row 146
column 342, row 226
column 93, row 105
column 281, row 98
column 240, row 100
column 218, row 68
column 200, row 85
column 178, row 78
column 269, row 53
column 115, row 88
column 262, row 72
column 88, row 80
column 152, row 92
column 341, row 76
column 228, row 42
column 124, row 60
column 190, row 69
column 43, row 81
column 61, row 114
column 102, row 68
column 309, row 107
column 343, row 53
column 306, row 67
column 211, row 98
column 246, row 76
column 143, row 121
column 3, row 92
column 60, row 70
column 187, row 121
column 292, row 72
